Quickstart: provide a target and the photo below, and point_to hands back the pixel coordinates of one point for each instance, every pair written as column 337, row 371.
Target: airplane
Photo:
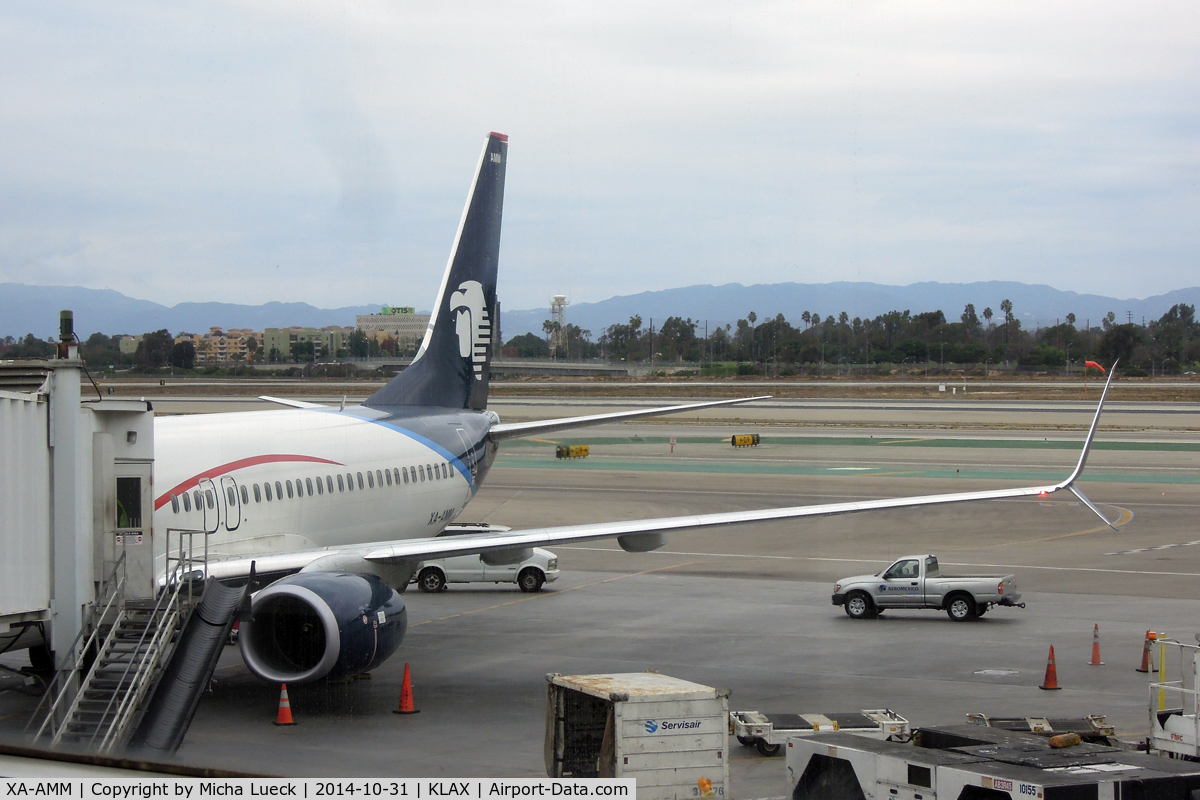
column 333, row 508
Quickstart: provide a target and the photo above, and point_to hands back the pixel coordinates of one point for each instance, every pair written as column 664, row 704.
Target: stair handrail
column 110, row 591
column 162, row 628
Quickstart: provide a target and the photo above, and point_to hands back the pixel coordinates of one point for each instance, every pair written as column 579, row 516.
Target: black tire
column 41, row 659
column 746, row 741
column 765, row 749
column 859, row 606
column 431, row 580
column 960, row 607
column 981, row 609
column 530, row 579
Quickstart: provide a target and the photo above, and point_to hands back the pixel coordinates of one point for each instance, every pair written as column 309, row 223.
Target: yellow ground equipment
column 745, row 440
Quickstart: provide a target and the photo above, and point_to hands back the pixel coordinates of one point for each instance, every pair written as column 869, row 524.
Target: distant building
column 399, row 322
column 279, row 343
column 222, row 347
column 129, row 345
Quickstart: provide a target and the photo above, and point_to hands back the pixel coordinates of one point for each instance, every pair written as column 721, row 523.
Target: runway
column 748, row 608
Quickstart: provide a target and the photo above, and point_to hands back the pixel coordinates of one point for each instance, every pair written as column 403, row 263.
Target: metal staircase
column 100, row 692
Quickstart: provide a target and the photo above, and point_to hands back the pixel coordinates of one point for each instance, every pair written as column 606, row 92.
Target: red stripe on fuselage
column 236, row 465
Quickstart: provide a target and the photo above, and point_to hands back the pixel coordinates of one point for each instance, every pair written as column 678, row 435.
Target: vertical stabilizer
column 451, row 368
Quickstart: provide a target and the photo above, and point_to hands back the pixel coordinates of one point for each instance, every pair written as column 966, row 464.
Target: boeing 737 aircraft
column 339, row 505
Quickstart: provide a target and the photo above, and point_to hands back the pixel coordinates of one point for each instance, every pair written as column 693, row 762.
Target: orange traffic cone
column 1051, row 681
column 285, row 708
column 1146, row 666
column 406, row 701
column 1096, row 662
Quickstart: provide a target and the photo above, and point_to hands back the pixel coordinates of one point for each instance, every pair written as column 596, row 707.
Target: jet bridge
column 80, row 581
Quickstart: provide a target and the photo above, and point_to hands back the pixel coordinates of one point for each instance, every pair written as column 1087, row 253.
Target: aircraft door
column 233, row 503
column 212, row 505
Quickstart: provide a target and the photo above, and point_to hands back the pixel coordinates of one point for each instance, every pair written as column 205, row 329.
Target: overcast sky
column 321, row 152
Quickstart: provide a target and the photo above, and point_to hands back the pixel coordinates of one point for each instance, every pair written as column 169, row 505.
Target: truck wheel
column 960, row 608
column 746, row 741
column 859, row 606
column 431, row 580
column 981, row 609
column 765, row 749
column 530, row 579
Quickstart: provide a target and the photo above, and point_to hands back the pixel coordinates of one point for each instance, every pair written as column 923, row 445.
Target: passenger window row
column 396, row 476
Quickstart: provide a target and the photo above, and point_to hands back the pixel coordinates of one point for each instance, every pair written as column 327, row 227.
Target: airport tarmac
column 748, row 608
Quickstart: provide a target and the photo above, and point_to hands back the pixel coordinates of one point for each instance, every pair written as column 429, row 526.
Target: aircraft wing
column 413, row 550
column 513, row 430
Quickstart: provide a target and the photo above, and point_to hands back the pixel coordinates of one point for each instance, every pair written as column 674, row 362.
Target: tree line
column 1169, row 344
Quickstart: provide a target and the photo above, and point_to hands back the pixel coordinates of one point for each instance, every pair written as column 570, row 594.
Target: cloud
column 321, row 151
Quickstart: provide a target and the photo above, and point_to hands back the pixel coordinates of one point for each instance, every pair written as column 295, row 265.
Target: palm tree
column 987, row 316
column 1007, row 307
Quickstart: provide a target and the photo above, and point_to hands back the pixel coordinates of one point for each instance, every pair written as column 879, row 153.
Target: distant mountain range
column 1034, row 305
column 34, row 309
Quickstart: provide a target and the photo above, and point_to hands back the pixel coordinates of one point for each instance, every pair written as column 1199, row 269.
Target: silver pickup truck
column 916, row 582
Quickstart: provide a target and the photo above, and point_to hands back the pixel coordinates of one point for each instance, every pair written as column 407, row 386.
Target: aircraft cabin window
column 379, row 478
column 187, row 502
column 341, row 486
column 422, row 472
column 396, row 473
column 446, row 469
column 370, row 480
column 387, row 473
column 279, row 490
column 404, row 473
column 349, row 482
column 208, row 498
column 432, row 472
column 361, row 485
column 308, row 485
column 267, row 487
column 329, row 483
column 288, row 484
column 231, row 495
column 198, row 500
column 320, row 486
column 257, row 494
column 175, row 504
column 245, row 494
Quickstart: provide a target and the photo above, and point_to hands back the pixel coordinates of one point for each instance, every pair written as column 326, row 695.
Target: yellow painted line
column 542, row 441
column 1126, row 515
column 550, row 595
column 906, row 441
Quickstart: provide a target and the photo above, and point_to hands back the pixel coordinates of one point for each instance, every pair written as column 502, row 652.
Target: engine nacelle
column 315, row 625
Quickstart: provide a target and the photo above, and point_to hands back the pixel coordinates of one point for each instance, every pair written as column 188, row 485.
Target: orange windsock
column 1087, row 364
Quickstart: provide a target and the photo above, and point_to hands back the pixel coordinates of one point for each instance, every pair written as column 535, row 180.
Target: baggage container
column 668, row 734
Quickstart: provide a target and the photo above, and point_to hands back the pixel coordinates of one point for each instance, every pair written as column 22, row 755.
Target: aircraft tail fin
column 450, row 369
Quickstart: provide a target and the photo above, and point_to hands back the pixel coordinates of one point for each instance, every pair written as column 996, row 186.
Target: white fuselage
column 297, row 479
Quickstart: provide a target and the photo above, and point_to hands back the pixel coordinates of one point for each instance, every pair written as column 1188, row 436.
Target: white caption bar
column 415, row 788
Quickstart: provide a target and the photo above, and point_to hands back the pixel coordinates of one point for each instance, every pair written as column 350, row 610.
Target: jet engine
column 315, row 625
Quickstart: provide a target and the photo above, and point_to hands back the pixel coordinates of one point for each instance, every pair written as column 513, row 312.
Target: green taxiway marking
column 759, row 468
column 891, row 442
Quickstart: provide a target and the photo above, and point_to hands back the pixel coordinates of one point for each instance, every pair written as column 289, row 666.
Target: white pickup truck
column 917, row 582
